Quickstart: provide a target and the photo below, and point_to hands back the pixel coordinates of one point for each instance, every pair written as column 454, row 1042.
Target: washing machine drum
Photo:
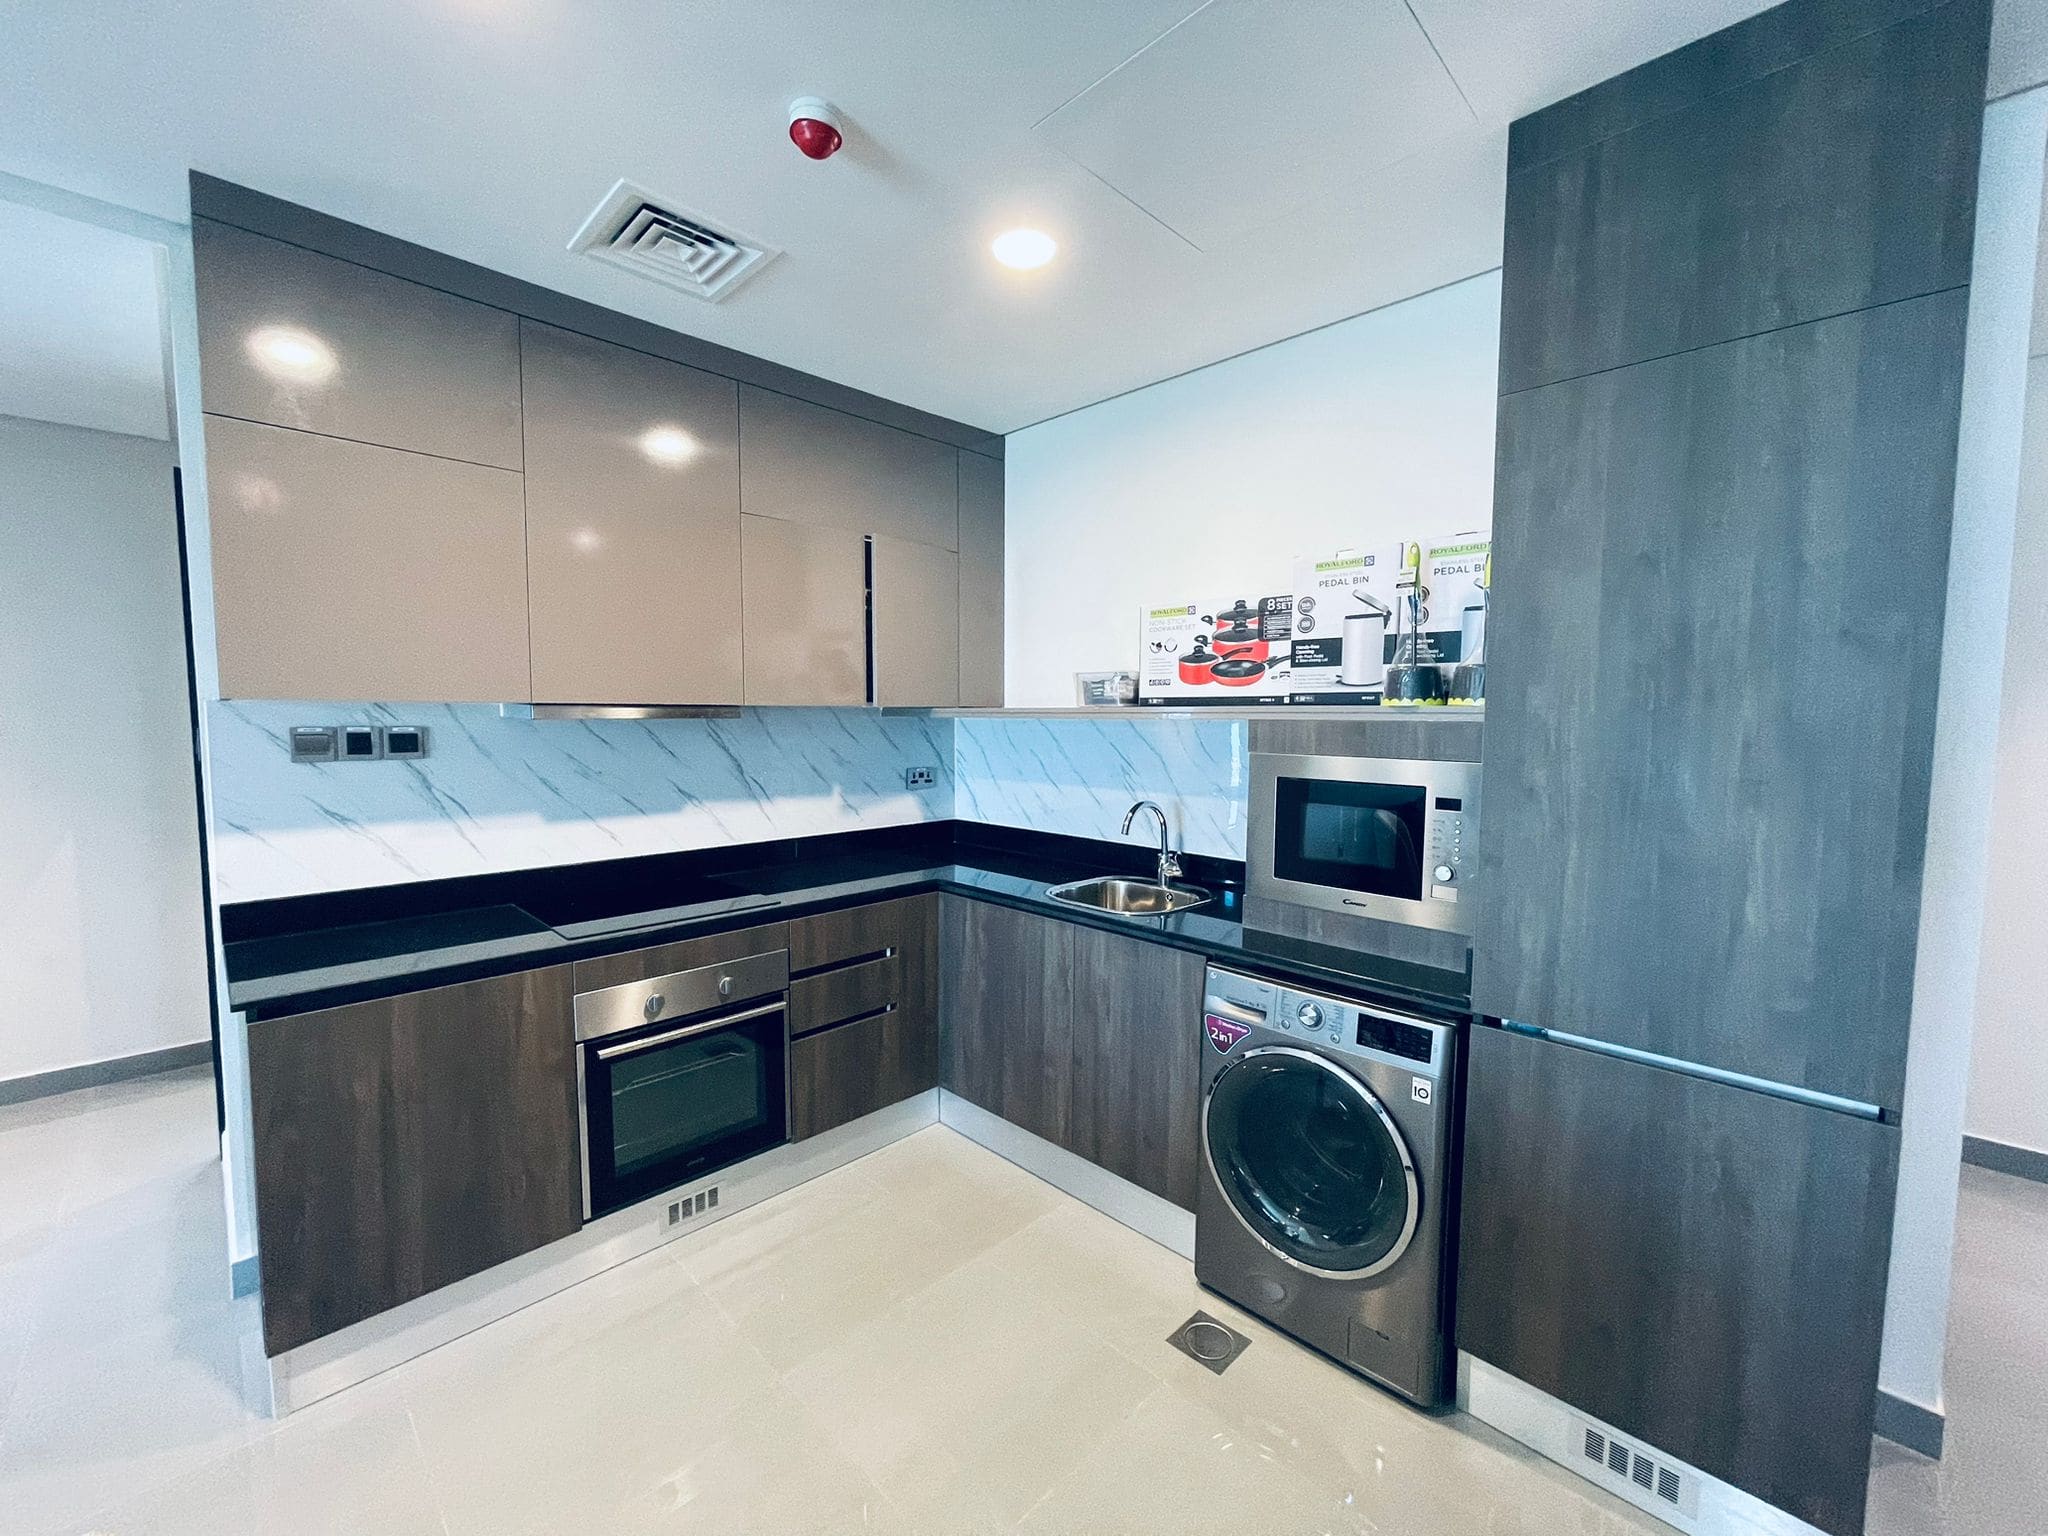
column 1310, row 1162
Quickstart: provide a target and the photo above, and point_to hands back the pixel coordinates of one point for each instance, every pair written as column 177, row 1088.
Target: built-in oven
column 1370, row 837
column 678, row 1076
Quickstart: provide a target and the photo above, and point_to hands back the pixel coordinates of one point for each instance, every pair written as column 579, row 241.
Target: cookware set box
column 1352, row 614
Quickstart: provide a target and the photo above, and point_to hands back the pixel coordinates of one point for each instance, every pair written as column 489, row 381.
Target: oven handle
column 670, row 1037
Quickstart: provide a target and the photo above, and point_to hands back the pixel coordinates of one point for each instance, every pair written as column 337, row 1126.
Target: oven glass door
column 1348, row 836
column 673, row 1101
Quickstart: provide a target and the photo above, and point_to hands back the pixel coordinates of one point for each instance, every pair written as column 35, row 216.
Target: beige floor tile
column 978, row 1197
column 731, row 1245
column 333, row 1470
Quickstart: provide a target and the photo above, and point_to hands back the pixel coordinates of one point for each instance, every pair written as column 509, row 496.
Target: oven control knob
column 1445, row 874
column 1310, row 1015
column 655, row 1003
column 725, row 986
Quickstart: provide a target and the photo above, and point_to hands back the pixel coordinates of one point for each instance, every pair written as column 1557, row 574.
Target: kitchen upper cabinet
column 632, row 524
column 804, row 631
column 406, row 1143
column 1819, row 184
column 809, row 464
column 301, row 340
column 863, row 1011
column 1701, row 1266
column 1710, row 716
column 915, row 596
column 347, row 571
column 1088, row 1039
column 981, row 581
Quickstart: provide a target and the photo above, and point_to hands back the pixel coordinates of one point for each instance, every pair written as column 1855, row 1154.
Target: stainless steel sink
column 1129, row 898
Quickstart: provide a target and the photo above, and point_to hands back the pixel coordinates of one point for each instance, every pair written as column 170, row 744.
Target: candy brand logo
column 1223, row 1034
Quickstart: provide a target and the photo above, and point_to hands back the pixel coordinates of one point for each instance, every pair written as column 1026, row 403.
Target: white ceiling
column 81, row 334
column 1218, row 175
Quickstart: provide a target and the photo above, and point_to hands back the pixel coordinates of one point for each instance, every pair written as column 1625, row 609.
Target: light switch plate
column 360, row 744
column 405, row 741
column 313, row 743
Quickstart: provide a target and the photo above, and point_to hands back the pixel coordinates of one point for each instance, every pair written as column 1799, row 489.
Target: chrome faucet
column 1169, row 861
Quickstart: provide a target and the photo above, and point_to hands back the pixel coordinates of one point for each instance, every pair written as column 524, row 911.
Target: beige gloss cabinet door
column 806, row 613
column 346, row 571
column 981, row 581
column 809, row 464
column 632, row 525
column 297, row 339
column 917, row 625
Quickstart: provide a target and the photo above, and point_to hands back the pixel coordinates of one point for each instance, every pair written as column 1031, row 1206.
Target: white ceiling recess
column 491, row 128
column 81, row 337
column 1253, row 109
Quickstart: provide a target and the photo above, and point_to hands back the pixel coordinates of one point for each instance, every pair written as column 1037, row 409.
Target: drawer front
column 857, row 933
column 838, row 1075
column 832, row 997
column 683, row 955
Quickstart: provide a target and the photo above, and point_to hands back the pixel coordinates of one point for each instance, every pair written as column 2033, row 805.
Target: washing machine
column 1325, row 1204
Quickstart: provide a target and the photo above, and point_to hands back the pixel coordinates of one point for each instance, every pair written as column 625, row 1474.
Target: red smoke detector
column 814, row 127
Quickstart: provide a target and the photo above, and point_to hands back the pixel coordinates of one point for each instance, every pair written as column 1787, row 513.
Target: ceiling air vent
column 671, row 244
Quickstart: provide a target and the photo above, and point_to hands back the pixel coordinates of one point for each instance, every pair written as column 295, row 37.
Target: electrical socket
column 920, row 778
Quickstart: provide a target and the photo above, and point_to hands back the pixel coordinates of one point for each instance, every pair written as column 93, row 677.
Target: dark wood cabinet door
column 1753, row 188
column 406, row 1143
column 849, row 1070
column 1715, row 639
column 1137, row 1061
column 1698, row 1265
column 1008, row 1041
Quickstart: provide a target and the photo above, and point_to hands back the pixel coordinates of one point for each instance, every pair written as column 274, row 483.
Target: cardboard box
column 1454, row 603
column 1252, row 630
column 1343, row 630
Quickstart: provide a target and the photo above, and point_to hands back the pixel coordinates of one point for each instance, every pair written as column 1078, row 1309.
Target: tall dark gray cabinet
column 1733, row 301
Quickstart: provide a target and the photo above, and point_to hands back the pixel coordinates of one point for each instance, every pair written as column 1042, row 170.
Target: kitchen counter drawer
column 858, row 933
column 832, row 997
column 682, row 955
column 839, row 1074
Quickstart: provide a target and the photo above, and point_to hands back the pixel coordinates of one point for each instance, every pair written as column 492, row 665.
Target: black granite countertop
column 303, row 953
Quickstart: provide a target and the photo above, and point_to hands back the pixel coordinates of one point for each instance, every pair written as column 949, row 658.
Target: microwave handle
column 670, row 1037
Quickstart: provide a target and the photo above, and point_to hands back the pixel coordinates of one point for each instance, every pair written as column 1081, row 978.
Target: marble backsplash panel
column 1080, row 776
column 496, row 794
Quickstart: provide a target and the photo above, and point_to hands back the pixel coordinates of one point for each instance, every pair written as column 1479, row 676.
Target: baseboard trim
column 354, row 1354
column 1117, row 1198
column 2003, row 1157
column 1555, row 1429
column 95, row 1074
column 1907, row 1423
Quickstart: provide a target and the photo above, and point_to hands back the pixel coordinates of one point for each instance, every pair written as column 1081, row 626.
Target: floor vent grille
column 1644, row 1477
column 669, row 244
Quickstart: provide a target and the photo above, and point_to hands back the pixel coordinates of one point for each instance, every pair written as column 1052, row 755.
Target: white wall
column 1367, row 431
column 1961, row 832
column 100, row 902
column 2008, row 1081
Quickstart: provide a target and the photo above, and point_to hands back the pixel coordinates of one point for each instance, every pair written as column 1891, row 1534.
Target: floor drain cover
column 1214, row 1344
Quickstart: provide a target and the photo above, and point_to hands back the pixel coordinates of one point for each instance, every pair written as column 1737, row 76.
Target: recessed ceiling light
column 289, row 353
column 1024, row 248
column 668, row 445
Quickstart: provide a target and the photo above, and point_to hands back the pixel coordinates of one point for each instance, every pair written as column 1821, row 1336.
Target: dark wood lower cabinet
column 863, row 1011
column 1698, row 1265
column 1086, row 1038
column 406, row 1143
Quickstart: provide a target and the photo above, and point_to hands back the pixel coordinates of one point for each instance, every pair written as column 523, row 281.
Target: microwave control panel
column 1446, row 853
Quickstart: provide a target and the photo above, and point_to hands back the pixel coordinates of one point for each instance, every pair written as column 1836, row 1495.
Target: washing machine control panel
column 1236, row 1004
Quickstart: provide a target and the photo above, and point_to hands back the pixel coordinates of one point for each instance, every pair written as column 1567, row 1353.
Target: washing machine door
column 1310, row 1162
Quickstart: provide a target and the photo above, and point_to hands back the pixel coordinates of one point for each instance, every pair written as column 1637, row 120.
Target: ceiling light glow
column 669, row 445
column 1024, row 248
column 291, row 354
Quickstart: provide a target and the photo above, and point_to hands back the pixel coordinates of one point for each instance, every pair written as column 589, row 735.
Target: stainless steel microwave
column 1363, row 836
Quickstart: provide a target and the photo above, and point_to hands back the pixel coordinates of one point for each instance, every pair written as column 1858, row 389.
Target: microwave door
column 1350, row 837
